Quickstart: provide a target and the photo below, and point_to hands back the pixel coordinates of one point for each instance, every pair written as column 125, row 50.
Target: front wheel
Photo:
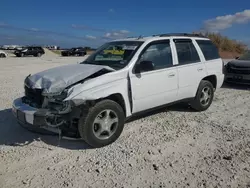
column 204, row 96
column 102, row 124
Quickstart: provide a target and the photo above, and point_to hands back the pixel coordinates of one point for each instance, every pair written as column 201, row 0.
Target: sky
column 91, row 23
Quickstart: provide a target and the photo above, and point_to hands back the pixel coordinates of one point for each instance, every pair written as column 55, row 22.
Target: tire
column 39, row 55
column 199, row 103
column 2, row 55
column 88, row 130
column 22, row 55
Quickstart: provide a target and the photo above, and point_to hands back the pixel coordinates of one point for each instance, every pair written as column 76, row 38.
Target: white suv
column 93, row 99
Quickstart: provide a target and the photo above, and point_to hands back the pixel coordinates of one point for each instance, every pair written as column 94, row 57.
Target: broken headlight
column 61, row 97
column 56, row 103
column 60, row 107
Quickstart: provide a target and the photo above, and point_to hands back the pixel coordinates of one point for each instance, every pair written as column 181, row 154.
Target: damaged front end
column 44, row 106
column 51, row 112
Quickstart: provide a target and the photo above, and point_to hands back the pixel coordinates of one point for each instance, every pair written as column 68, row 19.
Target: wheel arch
column 118, row 98
column 3, row 55
column 212, row 79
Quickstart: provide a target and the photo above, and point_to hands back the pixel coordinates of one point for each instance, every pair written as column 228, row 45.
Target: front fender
column 103, row 91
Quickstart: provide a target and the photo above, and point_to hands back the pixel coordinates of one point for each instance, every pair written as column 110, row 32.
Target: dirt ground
column 171, row 147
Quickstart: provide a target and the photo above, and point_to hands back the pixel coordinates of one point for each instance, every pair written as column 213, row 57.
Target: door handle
column 200, row 69
column 171, row 74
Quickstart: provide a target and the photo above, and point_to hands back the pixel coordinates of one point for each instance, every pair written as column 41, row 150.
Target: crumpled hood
column 55, row 80
column 240, row 63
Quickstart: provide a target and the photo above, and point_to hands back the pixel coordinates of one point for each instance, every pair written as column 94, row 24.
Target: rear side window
column 208, row 49
column 186, row 51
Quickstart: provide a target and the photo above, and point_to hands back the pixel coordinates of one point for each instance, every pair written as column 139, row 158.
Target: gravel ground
column 173, row 147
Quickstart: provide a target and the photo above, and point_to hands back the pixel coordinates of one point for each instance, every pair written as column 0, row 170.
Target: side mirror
column 144, row 66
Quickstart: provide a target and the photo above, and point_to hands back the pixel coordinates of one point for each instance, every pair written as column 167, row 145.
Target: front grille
column 236, row 70
column 34, row 96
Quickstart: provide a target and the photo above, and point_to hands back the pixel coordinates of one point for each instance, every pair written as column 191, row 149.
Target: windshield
column 245, row 56
column 114, row 54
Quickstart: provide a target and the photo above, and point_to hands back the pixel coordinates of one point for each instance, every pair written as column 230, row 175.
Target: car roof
column 165, row 36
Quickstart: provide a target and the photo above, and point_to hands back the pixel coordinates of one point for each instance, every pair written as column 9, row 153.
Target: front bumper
column 237, row 78
column 32, row 118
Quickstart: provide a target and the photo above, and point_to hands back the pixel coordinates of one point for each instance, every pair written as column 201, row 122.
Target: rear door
column 191, row 70
column 40, row 50
column 34, row 50
column 213, row 62
column 29, row 51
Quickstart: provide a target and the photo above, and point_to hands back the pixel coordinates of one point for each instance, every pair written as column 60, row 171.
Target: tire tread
column 87, row 113
column 195, row 104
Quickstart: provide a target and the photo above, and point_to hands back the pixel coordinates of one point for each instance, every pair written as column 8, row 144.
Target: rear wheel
column 2, row 55
column 39, row 55
column 102, row 124
column 204, row 96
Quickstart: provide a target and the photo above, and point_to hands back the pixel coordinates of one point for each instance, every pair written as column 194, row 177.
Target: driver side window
column 159, row 54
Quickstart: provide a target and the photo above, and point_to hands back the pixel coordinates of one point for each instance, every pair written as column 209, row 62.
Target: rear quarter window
column 209, row 50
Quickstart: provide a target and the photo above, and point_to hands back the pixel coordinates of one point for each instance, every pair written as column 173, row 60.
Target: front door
column 155, row 87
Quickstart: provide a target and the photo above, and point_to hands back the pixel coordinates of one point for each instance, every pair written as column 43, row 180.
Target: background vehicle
column 10, row 47
column 3, row 54
column 74, row 52
column 36, row 51
column 238, row 70
column 93, row 99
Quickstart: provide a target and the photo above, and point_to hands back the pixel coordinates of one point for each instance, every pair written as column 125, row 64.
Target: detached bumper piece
column 31, row 118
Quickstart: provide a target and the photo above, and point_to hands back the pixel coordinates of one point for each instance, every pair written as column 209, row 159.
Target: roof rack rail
column 138, row 37
column 181, row 34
